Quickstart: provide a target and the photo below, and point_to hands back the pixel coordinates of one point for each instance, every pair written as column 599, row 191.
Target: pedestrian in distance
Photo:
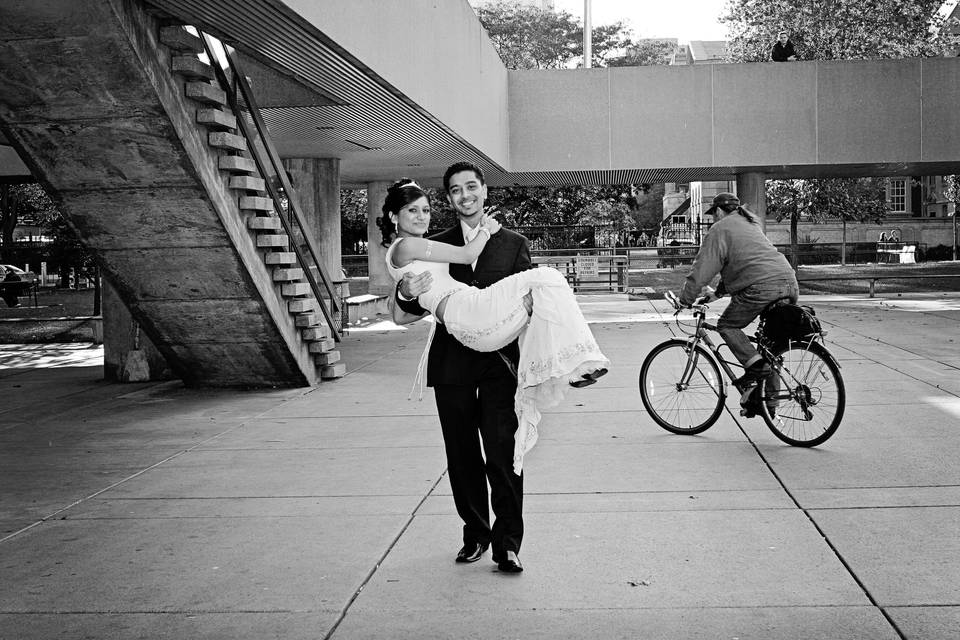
column 783, row 50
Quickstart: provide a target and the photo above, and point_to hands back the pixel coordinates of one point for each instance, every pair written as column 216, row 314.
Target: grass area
column 52, row 303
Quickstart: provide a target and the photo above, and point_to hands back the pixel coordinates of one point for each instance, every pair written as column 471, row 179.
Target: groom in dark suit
column 475, row 391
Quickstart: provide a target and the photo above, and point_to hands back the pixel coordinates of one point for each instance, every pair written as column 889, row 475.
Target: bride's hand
column 491, row 224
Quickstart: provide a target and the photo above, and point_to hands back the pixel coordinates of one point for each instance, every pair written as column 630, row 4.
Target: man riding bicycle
column 752, row 271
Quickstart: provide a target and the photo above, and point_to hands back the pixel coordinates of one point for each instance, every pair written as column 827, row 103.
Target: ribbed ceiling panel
column 376, row 132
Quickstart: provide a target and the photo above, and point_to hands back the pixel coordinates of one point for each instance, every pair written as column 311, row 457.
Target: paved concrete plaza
column 154, row 511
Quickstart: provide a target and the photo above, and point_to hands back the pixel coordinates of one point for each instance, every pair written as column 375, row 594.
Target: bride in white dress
column 536, row 307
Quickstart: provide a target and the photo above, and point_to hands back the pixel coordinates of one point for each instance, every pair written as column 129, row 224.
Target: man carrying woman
column 483, row 380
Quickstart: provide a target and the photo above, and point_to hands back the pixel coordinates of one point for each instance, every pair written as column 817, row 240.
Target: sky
column 685, row 20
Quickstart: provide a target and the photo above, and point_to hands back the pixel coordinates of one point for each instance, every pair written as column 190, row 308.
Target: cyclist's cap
column 725, row 198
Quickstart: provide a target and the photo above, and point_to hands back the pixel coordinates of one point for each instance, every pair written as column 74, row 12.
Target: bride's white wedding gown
column 556, row 344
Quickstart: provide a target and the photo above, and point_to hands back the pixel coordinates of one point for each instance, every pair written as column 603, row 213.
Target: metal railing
column 261, row 148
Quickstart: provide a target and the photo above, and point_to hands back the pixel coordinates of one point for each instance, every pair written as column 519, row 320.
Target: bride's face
column 414, row 218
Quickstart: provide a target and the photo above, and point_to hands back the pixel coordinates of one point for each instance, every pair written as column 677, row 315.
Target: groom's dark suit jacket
column 450, row 362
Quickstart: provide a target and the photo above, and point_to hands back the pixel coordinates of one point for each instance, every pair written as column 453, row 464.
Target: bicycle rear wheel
column 804, row 399
column 684, row 408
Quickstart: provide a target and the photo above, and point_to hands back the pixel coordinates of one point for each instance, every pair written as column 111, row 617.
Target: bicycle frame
column 700, row 335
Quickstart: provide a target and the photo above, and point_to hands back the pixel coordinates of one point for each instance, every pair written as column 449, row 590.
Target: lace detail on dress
column 538, row 370
column 473, row 337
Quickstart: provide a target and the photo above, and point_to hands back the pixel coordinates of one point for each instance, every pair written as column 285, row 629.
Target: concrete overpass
column 359, row 92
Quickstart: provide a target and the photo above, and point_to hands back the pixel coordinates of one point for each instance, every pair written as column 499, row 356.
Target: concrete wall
column 436, row 53
column 835, row 115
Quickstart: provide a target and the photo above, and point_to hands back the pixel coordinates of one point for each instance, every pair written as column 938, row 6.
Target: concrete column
column 128, row 354
column 317, row 183
column 380, row 281
column 752, row 191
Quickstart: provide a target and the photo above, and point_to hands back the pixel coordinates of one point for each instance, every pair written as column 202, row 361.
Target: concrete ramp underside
column 87, row 97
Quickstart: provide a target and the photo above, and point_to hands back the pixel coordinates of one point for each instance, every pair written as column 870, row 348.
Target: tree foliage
column 850, row 199
column 531, row 38
column 644, row 53
column 837, row 29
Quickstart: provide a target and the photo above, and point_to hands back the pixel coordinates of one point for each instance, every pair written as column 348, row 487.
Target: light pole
column 587, row 35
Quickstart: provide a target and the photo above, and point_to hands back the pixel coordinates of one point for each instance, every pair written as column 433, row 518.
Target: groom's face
column 467, row 194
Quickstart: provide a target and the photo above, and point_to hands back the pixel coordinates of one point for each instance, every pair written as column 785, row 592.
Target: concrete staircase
column 254, row 202
column 130, row 136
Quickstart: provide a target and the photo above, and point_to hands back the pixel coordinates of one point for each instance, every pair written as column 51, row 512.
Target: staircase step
column 216, row 119
column 294, row 289
column 327, row 358
column 280, row 257
column 302, row 305
column 206, row 93
column 318, row 332
column 265, row 223
column 271, row 240
column 248, row 183
column 322, row 346
column 286, row 275
column 331, row 371
column 256, row 203
column 191, row 67
column 179, row 39
column 308, row 320
column 224, row 140
column 237, row 164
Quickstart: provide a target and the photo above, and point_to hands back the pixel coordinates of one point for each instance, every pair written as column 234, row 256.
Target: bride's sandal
column 589, row 378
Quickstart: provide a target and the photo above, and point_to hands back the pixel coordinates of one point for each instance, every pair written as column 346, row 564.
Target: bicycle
column 802, row 401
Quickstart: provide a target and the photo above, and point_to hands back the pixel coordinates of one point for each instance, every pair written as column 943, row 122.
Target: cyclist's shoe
column 750, row 401
column 753, row 374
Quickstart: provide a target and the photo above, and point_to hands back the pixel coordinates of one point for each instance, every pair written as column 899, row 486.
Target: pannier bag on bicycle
column 784, row 321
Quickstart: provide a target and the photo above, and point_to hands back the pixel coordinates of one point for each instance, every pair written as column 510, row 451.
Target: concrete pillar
column 380, row 281
column 128, row 354
column 752, row 191
column 317, row 183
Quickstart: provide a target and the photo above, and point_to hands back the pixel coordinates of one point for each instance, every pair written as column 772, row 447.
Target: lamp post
column 587, row 35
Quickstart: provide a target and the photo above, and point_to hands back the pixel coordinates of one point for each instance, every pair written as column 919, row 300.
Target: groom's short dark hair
column 457, row 167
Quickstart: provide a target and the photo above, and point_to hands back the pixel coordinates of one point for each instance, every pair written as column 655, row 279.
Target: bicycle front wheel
column 804, row 399
column 681, row 390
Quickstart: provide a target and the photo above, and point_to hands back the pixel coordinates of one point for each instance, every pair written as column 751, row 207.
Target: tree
column 644, row 53
column 531, row 38
column 837, row 29
column 855, row 199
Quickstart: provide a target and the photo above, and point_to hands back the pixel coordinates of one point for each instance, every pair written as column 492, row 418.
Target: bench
column 896, row 252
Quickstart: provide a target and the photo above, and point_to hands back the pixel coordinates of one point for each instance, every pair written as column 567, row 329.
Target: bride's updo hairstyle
column 400, row 194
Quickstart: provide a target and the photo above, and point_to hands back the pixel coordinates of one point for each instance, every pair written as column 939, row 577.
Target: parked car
column 14, row 283
column 14, row 273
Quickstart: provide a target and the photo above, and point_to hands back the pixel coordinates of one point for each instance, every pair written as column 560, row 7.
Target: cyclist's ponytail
column 749, row 215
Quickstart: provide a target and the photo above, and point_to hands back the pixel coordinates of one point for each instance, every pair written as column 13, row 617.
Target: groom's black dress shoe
column 509, row 563
column 471, row 552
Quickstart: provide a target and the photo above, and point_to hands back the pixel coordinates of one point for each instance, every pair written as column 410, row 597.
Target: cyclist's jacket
column 739, row 251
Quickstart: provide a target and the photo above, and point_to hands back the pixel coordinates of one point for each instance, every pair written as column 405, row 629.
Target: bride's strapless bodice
column 443, row 283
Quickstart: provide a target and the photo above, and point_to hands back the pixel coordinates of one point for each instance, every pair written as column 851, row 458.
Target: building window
column 897, row 195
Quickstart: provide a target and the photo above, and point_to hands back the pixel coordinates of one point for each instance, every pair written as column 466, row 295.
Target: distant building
column 700, row 52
